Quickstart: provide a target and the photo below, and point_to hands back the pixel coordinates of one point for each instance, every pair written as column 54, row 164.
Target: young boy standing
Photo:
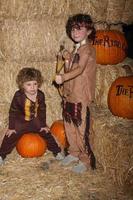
column 78, row 91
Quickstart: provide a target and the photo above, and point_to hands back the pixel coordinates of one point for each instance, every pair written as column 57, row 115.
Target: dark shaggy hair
column 29, row 74
column 78, row 20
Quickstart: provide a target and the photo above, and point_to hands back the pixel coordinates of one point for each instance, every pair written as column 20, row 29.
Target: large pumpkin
column 111, row 46
column 57, row 129
column 31, row 145
column 120, row 97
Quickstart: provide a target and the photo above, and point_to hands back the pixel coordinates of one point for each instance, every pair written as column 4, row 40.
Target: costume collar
column 83, row 42
column 78, row 45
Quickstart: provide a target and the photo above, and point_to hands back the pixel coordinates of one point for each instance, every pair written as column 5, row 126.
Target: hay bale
column 32, row 9
column 115, row 10
column 38, row 9
column 33, row 40
column 111, row 11
column 103, row 10
column 106, row 74
column 127, row 15
column 112, row 143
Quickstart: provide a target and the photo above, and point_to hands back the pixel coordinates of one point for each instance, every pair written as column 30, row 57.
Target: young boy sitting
column 28, row 114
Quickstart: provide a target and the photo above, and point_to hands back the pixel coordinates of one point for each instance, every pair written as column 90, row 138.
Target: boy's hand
column 47, row 129
column 58, row 79
column 9, row 132
column 66, row 55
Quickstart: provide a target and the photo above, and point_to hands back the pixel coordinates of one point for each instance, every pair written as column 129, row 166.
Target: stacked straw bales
column 31, row 40
column 112, row 143
column 30, row 35
column 104, row 10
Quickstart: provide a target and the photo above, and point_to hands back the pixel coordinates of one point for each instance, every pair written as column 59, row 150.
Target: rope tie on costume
column 75, row 56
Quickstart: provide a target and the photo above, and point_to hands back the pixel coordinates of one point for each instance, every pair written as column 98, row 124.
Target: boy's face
column 79, row 33
column 30, row 87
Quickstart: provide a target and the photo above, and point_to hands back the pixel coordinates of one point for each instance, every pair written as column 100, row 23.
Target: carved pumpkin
column 111, row 46
column 58, row 131
column 31, row 145
column 120, row 97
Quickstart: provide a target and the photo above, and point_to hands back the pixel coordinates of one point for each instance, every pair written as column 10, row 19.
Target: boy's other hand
column 66, row 55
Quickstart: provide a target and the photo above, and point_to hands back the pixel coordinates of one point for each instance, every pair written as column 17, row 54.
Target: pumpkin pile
column 111, row 48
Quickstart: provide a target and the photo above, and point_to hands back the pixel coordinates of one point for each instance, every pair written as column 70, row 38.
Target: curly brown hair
column 29, row 74
column 78, row 20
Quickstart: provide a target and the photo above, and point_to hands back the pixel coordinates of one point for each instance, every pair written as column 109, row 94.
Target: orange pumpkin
column 120, row 97
column 31, row 145
column 58, row 131
column 111, row 46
